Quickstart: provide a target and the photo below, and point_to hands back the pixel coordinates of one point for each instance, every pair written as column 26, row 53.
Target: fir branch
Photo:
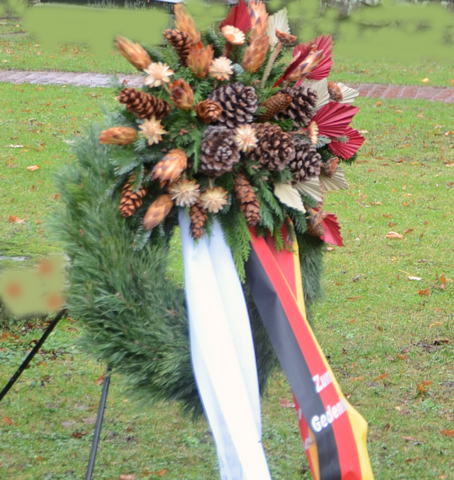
column 128, row 167
column 138, row 178
column 299, row 220
column 210, row 37
column 322, row 141
column 286, row 125
column 141, row 238
column 155, row 53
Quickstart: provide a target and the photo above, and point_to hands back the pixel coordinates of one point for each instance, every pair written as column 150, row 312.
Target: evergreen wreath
column 236, row 135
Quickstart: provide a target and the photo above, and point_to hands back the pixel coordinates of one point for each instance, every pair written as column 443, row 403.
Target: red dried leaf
column 238, row 17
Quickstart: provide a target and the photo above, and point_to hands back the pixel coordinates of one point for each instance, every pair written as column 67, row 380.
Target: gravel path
column 370, row 90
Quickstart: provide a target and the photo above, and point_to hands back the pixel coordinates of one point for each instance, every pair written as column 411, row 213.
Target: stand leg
column 99, row 418
column 30, row 356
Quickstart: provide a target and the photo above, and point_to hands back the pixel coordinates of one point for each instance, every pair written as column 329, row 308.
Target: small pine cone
column 144, row 105
column 219, row 151
column 275, row 148
column 274, row 105
column 238, row 103
column 208, row 111
column 130, row 200
column 181, row 42
column 247, row 200
column 301, row 109
column 199, row 218
column 307, row 162
column 335, row 93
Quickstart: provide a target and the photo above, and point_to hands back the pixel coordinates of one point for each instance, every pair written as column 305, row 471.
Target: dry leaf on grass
column 394, row 235
column 32, row 168
column 15, row 219
column 448, row 433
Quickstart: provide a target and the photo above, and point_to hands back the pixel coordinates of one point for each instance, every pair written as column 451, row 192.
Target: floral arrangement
column 228, row 128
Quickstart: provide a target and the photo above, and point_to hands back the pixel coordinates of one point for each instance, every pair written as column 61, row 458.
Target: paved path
column 371, row 90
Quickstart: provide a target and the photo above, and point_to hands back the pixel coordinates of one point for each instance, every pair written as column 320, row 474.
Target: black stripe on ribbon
column 293, row 363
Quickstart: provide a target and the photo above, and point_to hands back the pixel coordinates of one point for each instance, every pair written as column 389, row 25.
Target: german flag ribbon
column 333, row 432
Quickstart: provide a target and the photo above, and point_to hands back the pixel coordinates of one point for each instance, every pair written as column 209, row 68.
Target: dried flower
column 181, row 94
column 312, row 132
column 158, row 74
column 259, row 18
column 214, row 199
column 152, row 130
column 221, row 68
column 233, row 35
column 185, row 23
column 157, row 211
column 284, row 37
column 133, row 52
column 185, row 192
column 245, row 138
column 170, row 167
column 118, row 136
column 199, row 59
column 255, row 54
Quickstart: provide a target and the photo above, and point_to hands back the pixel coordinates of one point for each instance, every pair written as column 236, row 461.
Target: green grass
column 390, row 347
column 19, row 50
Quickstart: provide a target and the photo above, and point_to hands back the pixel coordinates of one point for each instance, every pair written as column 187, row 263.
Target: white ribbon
column 222, row 354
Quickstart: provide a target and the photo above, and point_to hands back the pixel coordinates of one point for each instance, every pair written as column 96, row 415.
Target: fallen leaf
column 79, row 434
column 378, row 104
column 32, row 168
column 284, row 403
column 382, row 376
column 409, row 230
column 353, row 298
column 426, row 382
column 100, row 380
column 425, row 292
column 447, row 433
column 425, row 80
column 401, row 357
column 128, row 477
column 8, row 421
column 394, row 235
column 386, row 427
column 436, row 324
column 15, row 219
column 421, row 388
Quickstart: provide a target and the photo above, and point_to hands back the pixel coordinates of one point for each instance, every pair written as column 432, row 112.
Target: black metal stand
column 30, row 356
column 98, row 426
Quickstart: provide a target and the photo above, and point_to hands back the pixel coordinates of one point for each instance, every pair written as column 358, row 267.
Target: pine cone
column 247, row 200
column 238, row 104
column 144, row 105
column 208, row 111
column 130, row 200
column 275, row 147
column 219, row 152
column 274, row 105
column 199, row 218
column 301, row 109
column 307, row 162
column 181, row 42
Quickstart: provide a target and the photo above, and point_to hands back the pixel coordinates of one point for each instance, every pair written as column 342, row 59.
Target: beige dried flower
column 118, row 136
column 214, row 199
column 158, row 74
column 221, row 68
column 152, row 130
column 245, row 138
column 134, row 53
column 233, row 35
column 185, row 193
column 312, row 132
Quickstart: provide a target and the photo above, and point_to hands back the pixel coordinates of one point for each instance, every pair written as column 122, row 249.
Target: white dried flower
column 233, row 35
column 158, row 74
column 221, row 68
column 185, row 193
column 214, row 199
column 245, row 138
column 152, row 130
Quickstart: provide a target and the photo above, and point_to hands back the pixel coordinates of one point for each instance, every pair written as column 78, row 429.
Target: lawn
column 20, row 50
column 385, row 323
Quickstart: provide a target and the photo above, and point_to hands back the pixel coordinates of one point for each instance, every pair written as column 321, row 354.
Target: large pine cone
column 275, row 147
column 238, row 103
column 219, row 151
column 301, row 109
column 307, row 162
column 247, row 200
column 181, row 42
column 130, row 200
column 144, row 105
column 199, row 218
